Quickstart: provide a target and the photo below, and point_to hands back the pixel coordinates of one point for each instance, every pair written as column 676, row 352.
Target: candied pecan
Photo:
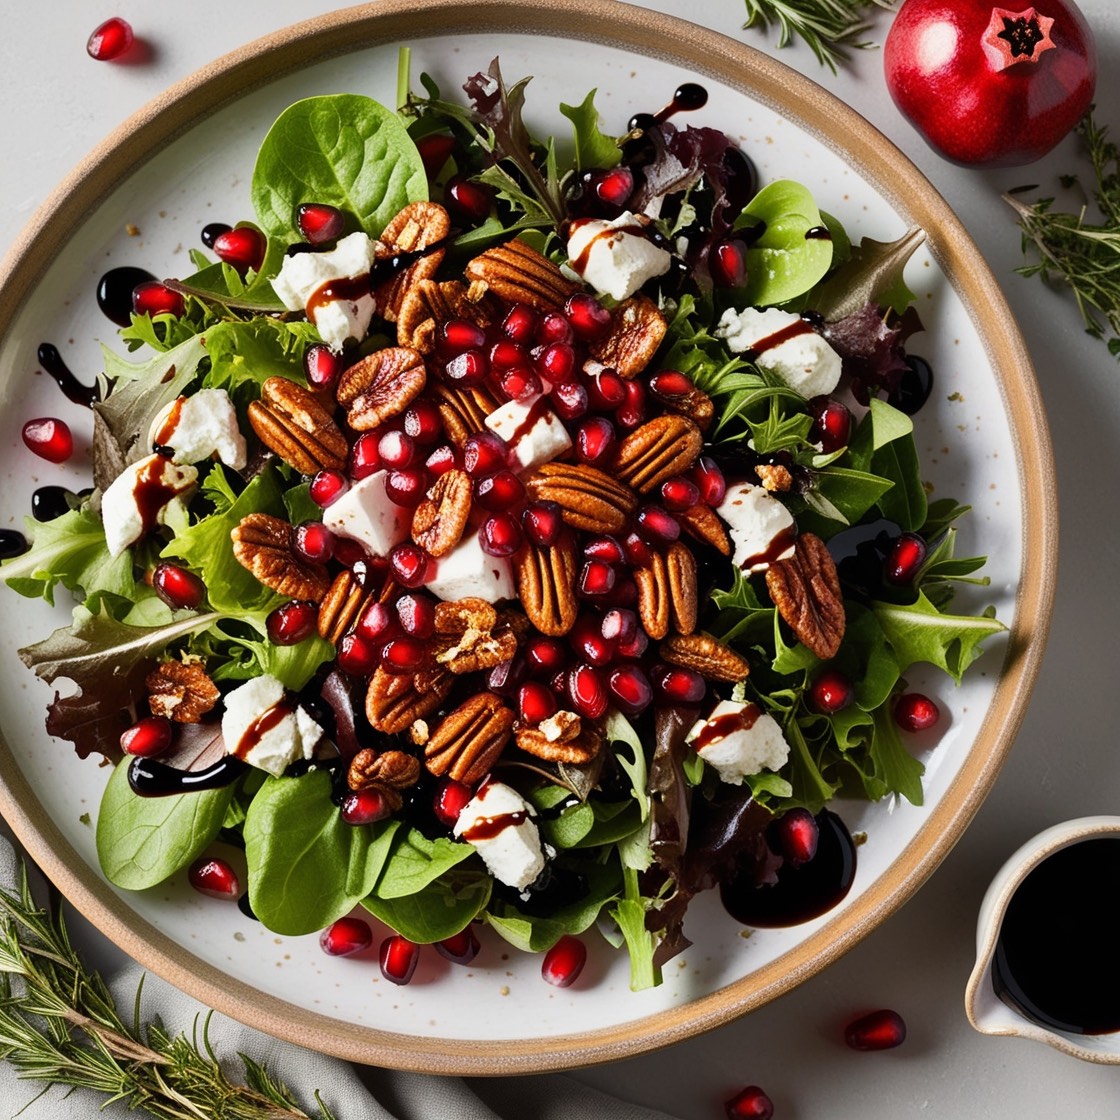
column 460, row 615
column 474, row 650
column 290, row 421
column 388, row 770
column 588, row 497
column 430, row 302
column 660, row 448
column 695, row 404
column 576, row 749
column 774, row 476
column 684, row 597
column 463, row 411
column 181, row 690
column 263, row 545
column 703, row 523
column 654, row 597
column 637, row 328
column 468, row 740
column 418, row 226
column 517, row 273
column 394, row 701
column 439, row 520
column 705, row 655
column 380, row 386
column 546, row 584
column 806, row 590
column 342, row 606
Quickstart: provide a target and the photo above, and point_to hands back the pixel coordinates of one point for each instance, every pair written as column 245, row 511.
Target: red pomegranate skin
column 958, row 82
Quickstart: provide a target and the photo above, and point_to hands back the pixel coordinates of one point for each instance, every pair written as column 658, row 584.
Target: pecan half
column 463, row 411
column 342, row 606
column 660, row 448
column 546, row 584
column 460, row 615
column 388, row 770
column 417, row 226
column 181, row 690
column 468, row 740
column 703, row 523
column 588, row 497
column 695, row 404
column 430, row 302
column 806, row 590
column 290, row 422
column 439, row 520
column 705, row 655
column 474, row 650
column 263, row 545
column 577, row 744
column 684, row 598
column 517, row 273
column 654, row 597
column 637, row 328
column 380, row 386
column 395, row 701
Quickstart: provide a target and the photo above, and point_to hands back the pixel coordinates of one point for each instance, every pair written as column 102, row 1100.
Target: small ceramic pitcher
column 985, row 1010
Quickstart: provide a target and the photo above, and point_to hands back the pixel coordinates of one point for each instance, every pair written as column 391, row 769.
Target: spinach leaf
column 143, row 840
column 307, row 866
column 343, row 150
column 415, row 861
column 439, row 910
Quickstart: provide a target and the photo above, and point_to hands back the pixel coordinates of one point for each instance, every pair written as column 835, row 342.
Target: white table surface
column 56, row 104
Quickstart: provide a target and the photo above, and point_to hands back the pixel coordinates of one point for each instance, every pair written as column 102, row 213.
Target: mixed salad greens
column 622, row 855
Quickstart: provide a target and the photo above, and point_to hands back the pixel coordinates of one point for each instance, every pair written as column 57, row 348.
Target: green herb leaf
column 873, row 274
column 830, row 28
column 593, row 148
column 898, row 768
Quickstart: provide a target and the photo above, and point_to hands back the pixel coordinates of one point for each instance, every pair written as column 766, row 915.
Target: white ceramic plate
column 980, row 437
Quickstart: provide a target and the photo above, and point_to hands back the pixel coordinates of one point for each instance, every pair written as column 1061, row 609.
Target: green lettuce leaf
column 441, row 909
column 593, row 148
column 414, row 862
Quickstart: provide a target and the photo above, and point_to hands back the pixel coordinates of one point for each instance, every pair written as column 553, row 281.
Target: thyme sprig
column 1078, row 253
column 830, row 28
column 59, row 1024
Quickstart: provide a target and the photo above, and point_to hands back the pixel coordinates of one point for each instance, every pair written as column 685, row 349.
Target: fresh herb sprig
column 1082, row 255
column 59, row 1024
column 830, row 28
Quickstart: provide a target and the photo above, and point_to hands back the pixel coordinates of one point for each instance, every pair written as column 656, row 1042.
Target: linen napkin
column 352, row 1093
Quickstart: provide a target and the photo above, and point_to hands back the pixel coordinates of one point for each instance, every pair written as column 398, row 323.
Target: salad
column 504, row 530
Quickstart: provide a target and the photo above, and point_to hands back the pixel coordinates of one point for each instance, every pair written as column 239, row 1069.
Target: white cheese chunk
column 533, row 431
column 366, row 514
column 739, row 740
column 145, row 494
column 762, row 529
column 617, row 257
column 266, row 729
column 786, row 345
column 302, row 275
column 498, row 822
column 197, row 427
column 468, row 571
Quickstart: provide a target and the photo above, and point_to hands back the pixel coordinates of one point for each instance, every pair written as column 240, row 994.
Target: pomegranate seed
column 832, row 424
column 879, row 1030
column 345, row 937
column 670, row 387
column 365, row 456
column 915, row 712
column 484, row 453
column 519, row 383
column 357, row 656
column 396, row 450
column 797, row 833
column 407, row 487
column 403, row 655
column 536, row 701
column 728, row 263
column 468, row 200
column 442, row 460
column 596, row 578
column 564, row 962
column 586, row 638
column 604, row 548
column 327, row 487
column 321, row 365
column 907, row 555
column 505, row 353
column 556, row 362
column 545, row 656
column 178, row 588
column 375, row 622
column 657, row 526
column 319, row 222
column 49, row 438
column 500, row 492
column 605, row 389
column 619, row 625
column 554, row 328
column 435, row 150
column 638, row 552
column 589, row 318
column 500, row 535
column 147, row 737
column 632, row 412
column 587, row 690
column 243, row 248
column 520, row 323
column 153, row 298
column 291, row 623
column 365, row 806
column 750, row 1103
column 708, row 476
column 542, row 523
column 409, row 563
column 450, row 800
column 110, row 40
column 214, row 877
column 631, row 689
column 398, row 957
column 595, row 440
column 830, row 692
column 417, row 615
column 422, row 422
column 456, row 336
column 614, row 187
column 678, row 685
column 466, row 370
column 570, row 400
column 679, row 493
column 636, row 647
column 313, row 541
column 460, row 948
column 506, row 677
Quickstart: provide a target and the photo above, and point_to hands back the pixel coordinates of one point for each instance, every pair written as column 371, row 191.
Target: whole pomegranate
column 989, row 86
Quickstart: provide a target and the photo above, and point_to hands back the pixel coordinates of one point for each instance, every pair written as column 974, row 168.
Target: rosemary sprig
column 831, row 28
column 1083, row 255
column 59, row 1024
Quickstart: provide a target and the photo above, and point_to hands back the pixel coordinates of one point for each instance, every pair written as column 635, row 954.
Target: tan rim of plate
column 703, row 53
